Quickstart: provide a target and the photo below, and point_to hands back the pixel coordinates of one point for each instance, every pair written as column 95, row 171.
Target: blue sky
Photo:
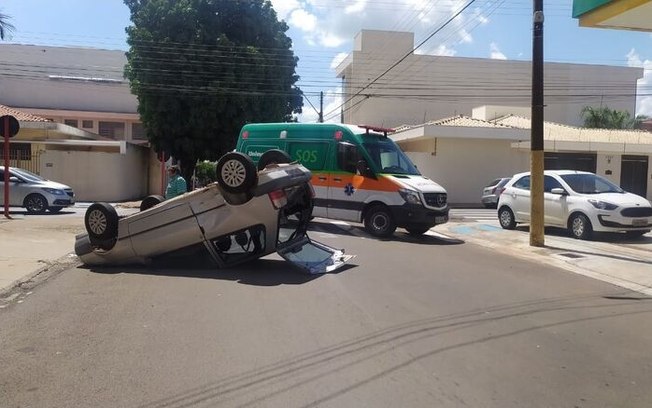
column 322, row 32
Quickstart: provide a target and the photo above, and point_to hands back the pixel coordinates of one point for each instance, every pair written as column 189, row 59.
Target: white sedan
column 580, row 201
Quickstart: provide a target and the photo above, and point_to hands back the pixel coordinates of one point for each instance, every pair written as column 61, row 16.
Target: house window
column 87, row 124
column 71, row 122
column 114, row 130
column 20, row 151
column 138, row 131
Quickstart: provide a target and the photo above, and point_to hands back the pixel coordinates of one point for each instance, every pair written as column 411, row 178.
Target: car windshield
column 590, row 184
column 389, row 158
column 27, row 175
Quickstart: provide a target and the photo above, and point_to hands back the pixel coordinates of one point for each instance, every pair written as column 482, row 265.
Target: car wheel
column 378, row 221
column 101, row 221
column 35, row 204
column 150, row 201
column 417, row 230
column 55, row 210
column 506, row 218
column 580, row 227
column 273, row 156
column 635, row 234
column 236, row 173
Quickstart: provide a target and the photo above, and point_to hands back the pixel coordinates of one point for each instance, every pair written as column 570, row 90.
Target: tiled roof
column 459, row 121
column 21, row 116
column 556, row 131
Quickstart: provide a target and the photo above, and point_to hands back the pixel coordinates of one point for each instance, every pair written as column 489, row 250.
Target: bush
column 205, row 173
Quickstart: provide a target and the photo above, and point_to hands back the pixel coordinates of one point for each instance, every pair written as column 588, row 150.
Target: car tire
column 35, row 204
column 54, row 210
column 273, row 156
column 506, row 218
column 236, row 173
column 101, row 221
column 379, row 222
column 150, row 201
column 580, row 227
column 417, row 230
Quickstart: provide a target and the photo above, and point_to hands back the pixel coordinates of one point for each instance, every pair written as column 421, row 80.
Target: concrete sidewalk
column 32, row 245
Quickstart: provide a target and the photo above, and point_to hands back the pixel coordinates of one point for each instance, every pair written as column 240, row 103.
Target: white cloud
column 303, row 20
column 338, row 59
column 338, row 23
column 356, row 7
column 643, row 103
column 495, row 52
column 283, row 8
column 444, row 50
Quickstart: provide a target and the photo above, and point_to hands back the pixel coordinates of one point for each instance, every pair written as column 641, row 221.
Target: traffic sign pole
column 6, row 154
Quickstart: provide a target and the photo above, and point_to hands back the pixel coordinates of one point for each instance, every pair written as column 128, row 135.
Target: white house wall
column 464, row 166
column 99, row 176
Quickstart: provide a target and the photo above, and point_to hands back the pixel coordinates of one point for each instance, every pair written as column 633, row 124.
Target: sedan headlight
column 410, row 196
column 603, row 205
column 53, row 191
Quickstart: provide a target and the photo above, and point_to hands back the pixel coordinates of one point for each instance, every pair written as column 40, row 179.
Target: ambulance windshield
column 389, row 158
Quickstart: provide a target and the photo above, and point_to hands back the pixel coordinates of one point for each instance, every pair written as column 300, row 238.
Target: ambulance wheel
column 420, row 230
column 150, row 201
column 273, row 156
column 378, row 221
column 236, row 173
column 101, row 221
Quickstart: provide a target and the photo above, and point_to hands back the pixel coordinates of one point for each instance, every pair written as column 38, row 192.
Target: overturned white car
column 245, row 215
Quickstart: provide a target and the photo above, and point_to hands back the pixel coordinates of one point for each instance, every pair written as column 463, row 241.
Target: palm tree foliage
column 5, row 26
column 605, row 118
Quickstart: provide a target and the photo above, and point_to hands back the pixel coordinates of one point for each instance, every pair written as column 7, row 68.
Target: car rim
column 505, row 218
column 379, row 222
column 578, row 227
column 35, row 204
column 97, row 222
column 233, row 173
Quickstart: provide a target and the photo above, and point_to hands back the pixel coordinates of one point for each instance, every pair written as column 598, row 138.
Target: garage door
column 570, row 161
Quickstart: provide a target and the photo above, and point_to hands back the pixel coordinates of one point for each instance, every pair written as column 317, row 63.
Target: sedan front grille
column 637, row 212
column 437, row 200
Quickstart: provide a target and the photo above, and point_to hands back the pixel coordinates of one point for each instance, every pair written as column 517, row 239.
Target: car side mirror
column 363, row 168
column 14, row 179
column 559, row 191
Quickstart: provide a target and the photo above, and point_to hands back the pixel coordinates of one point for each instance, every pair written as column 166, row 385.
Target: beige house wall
column 99, row 174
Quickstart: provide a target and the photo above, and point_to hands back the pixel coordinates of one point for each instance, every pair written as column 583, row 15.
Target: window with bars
column 114, row 130
column 87, row 124
column 71, row 122
column 20, row 151
column 138, row 131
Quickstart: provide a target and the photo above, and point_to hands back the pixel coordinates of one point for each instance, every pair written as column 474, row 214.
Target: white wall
column 464, row 166
column 427, row 87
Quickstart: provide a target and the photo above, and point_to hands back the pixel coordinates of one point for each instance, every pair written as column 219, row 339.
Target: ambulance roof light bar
column 379, row 129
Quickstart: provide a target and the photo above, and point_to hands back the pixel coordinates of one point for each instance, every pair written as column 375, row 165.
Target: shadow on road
column 259, row 272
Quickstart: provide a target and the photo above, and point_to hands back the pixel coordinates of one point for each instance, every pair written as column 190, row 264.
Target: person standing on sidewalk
column 176, row 184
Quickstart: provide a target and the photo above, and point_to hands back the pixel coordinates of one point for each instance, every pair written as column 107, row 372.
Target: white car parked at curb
column 580, row 201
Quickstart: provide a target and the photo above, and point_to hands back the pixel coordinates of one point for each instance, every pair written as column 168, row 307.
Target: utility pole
column 536, row 137
column 321, row 107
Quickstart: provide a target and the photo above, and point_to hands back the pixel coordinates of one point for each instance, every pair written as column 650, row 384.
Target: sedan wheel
column 101, row 221
column 36, row 204
column 236, row 173
column 506, row 218
column 580, row 227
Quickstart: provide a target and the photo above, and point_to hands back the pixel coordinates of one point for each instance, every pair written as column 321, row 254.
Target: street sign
column 13, row 127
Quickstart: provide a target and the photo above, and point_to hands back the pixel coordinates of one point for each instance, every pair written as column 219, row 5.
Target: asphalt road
column 411, row 323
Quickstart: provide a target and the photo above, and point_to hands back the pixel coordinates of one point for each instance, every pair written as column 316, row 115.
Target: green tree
column 5, row 26
column 605, row 118
column 201, row 69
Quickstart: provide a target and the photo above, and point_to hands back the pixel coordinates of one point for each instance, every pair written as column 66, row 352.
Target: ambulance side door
column 313, row 155
column 345, row 200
